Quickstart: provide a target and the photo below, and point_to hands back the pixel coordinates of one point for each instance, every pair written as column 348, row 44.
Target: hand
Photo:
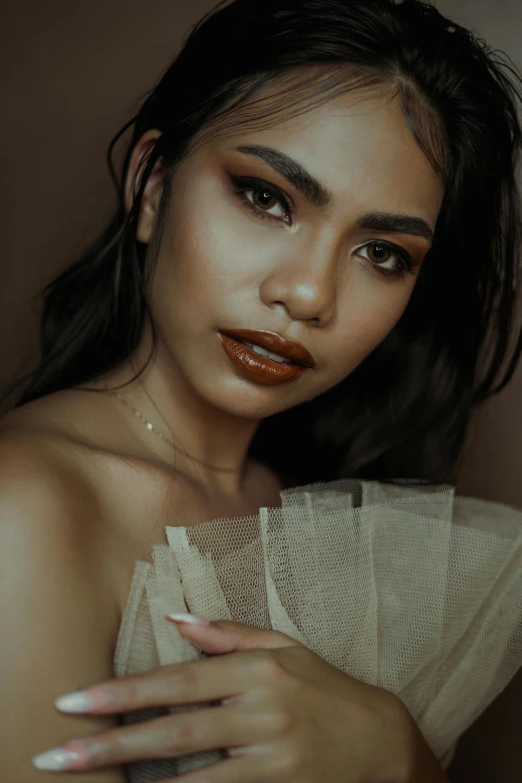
column 288, row 716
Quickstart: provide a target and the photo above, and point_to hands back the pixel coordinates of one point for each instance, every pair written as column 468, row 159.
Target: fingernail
column 185, row 617
column 58, row 758
column 78, row 701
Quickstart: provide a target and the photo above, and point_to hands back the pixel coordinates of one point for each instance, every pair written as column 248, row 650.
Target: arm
column 425, row 766
column 57, row 622
column 403, row 739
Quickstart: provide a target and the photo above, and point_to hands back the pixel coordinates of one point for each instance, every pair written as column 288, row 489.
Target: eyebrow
column 319, row 196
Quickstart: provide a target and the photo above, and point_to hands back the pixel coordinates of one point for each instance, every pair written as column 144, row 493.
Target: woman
column 311, row 276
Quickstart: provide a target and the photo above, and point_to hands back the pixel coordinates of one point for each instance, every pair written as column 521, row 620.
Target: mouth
column 273, row 346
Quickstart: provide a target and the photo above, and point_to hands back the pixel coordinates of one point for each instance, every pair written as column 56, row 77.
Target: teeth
column 261, row 351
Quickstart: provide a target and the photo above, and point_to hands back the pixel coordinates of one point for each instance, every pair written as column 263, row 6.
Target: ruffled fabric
column 409, row 588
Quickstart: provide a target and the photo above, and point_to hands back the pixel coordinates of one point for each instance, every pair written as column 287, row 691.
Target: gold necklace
column 164, row 437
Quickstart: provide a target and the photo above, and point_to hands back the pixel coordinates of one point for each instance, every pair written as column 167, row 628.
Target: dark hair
column 404, row 411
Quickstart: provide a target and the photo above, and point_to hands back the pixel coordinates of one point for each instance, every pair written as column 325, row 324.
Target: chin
column 244, row 399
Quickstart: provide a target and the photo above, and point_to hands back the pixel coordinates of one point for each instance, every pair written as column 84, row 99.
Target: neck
column 203, row 431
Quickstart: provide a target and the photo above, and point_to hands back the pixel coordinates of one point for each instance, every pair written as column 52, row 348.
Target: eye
column 380, row 253
column 264, row 198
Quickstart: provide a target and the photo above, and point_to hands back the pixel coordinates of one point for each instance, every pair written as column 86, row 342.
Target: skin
column 308, row 276
column 285, row 716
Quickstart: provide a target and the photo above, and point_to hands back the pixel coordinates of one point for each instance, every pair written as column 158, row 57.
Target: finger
column 171, row 736
column 222, row 636
column 188, row 682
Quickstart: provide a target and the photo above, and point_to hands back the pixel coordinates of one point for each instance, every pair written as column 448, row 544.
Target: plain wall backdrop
column 72, row 75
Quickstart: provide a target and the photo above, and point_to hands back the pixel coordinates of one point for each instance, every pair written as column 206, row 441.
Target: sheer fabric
column 410, row 588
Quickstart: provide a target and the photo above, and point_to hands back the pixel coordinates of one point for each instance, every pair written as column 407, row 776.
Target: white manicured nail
column 56, row 759
column 78, row 701
column 185, row 617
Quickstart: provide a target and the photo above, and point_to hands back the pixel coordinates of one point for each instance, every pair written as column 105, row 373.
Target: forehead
column 358, row 145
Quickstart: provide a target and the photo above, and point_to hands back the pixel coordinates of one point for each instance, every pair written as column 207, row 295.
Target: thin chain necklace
column 164, row 437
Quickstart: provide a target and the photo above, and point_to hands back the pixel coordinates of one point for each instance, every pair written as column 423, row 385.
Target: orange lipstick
column 263, row 369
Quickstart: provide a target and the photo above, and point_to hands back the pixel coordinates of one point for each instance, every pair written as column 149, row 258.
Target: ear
column 153, row 188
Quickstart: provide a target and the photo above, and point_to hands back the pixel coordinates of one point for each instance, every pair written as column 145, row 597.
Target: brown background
column 72, row 74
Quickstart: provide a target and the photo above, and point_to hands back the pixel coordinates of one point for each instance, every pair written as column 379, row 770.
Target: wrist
column 395, row 758
column 422, row 766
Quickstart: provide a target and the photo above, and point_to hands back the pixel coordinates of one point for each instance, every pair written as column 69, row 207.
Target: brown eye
column 261, row 197
column 379, row 253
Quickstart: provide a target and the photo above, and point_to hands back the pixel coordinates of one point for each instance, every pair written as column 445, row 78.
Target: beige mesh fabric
column 409, row 588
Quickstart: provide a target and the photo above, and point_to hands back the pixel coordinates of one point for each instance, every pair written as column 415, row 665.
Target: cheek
column 188, row 274
column 204, row 249
column 368, row 324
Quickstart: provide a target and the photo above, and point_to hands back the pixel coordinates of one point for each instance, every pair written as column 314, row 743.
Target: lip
column 260, row 369
column 276, row 343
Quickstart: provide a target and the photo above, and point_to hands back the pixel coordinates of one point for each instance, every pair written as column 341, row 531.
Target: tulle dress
column 410, row 588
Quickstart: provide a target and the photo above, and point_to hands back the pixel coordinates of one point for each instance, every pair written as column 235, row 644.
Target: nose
column 306, row 286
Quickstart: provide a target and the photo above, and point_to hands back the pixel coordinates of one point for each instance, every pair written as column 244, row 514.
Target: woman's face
column 329, row 276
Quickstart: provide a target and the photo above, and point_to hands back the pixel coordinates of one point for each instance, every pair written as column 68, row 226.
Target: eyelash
column 243, row 185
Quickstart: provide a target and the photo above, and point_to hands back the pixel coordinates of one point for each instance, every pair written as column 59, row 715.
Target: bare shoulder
column 34, row 465
column 41, row 464
column 44, row 496
column 76, row 444
column 57, row 619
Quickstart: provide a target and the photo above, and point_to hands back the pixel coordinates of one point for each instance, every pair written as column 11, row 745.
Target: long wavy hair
column 403, row 413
